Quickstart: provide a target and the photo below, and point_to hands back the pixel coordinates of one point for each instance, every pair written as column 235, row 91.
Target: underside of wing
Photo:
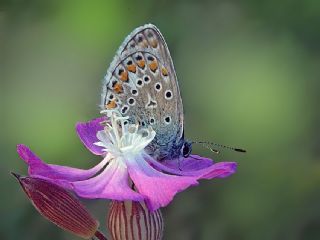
column 141, row 83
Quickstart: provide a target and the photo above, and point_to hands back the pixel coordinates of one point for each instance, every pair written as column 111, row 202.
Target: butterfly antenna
column 207, row 145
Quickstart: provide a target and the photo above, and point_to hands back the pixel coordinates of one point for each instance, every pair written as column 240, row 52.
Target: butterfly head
column 186, row 149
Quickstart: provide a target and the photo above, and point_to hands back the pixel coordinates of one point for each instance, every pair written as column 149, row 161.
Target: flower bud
column 59, row 206
column 134, row 221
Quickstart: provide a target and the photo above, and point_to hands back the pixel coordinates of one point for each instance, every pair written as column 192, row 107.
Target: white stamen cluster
column 124, row 140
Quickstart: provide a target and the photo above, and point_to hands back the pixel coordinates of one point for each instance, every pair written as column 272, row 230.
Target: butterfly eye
column 168, row 94
column 186, row 149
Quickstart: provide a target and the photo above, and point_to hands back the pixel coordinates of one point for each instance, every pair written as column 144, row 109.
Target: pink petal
column 196, row 166
column 87, row 132
column 218, row 170
column 54, row 172
column 159, row 188
column 191, row 163
column 112, row 183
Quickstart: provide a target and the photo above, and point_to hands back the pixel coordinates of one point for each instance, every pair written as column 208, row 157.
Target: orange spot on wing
column 141, row 63
column 132, row 68
column 164, row 71
column 124, row 76
column 118, row 88
column 153, row 65
column 111, row 104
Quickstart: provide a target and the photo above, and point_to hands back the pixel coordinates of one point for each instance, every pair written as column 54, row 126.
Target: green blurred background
column 249, row 73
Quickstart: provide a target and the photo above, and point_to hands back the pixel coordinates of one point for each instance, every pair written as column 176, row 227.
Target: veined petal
column 111, row 183
column 55, row 173
column 87, row 132
column 133, row 220
column 59, row 206
column 159, row 188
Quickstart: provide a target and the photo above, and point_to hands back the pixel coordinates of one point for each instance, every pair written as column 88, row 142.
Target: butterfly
column 141, row 84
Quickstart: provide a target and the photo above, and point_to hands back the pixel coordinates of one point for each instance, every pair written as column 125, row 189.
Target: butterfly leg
column 179, row 164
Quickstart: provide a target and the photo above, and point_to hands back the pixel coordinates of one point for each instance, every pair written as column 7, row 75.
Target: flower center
column 124, row 140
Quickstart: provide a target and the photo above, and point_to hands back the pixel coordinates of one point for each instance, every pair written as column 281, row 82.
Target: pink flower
column 126, row 172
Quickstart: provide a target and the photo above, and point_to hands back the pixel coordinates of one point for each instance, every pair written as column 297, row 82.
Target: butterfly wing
column 141, row 83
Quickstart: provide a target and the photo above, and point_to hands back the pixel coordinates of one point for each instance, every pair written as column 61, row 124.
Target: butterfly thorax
column 167, row 150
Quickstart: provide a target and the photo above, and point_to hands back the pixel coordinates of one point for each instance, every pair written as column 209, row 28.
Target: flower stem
column 99, row 235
